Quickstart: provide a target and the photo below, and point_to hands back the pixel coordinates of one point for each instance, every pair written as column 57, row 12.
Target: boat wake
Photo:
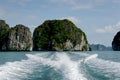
column 60, row 66
column 90, row 57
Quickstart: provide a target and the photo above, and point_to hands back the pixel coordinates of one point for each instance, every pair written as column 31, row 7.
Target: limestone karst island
column 52, row 35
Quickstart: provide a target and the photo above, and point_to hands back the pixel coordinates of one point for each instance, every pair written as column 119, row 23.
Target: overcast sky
column 99, row 19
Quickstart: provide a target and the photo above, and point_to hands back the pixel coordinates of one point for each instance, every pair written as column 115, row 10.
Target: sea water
column 104, row 65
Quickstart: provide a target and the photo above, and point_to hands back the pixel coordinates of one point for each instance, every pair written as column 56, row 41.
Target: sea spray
column 90, row 57
column 20, row 70
column 60, row 66
column 105, row 69
column 69, row 68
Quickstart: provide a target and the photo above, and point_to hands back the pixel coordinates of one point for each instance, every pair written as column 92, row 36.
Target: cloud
column 116, row 1
column 74, row 4
column 20, row 2
column 85, row 4
column 73, row 19
column 2, row 12
column 109, row 29
column 18, row 18
column 33, row 17
column 82, row 6
column 67, row 1
column 6, row 14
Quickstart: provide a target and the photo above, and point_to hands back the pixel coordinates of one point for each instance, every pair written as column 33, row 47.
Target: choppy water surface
column 60, row 65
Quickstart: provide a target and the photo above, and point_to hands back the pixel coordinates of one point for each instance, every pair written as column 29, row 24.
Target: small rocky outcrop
column 19, row 39
column 4, row 29
column 59, row 35
column 116, row 42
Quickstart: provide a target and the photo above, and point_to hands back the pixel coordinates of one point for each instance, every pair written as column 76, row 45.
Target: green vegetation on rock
column 4, row 29
column 52, row 35
column 59, row 35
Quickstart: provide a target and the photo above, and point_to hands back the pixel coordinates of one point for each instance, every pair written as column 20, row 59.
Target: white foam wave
column 19, row 70
column 106, row 68
column 69, row 68
column 14, row 71
column 90, row 57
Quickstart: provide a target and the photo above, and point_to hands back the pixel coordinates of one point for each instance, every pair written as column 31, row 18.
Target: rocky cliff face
column 19, row 38
column 116, row 42
column 59, row 35
column 4, row 29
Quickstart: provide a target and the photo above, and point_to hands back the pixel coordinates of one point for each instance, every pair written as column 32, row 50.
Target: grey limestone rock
column 19, row 38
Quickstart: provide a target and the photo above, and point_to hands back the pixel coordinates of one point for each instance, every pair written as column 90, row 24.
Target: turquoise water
column 104, row 65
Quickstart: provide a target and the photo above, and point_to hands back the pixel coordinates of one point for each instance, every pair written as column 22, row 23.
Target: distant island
column 100, row 47
column 52, row 35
